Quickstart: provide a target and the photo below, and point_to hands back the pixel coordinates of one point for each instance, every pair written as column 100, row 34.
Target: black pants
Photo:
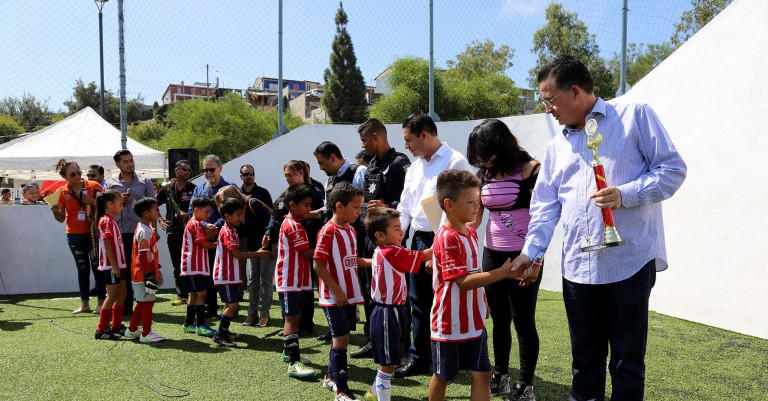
column 420, row 296
column 615, row 315
column 211, row 296
column 307, row 322
column 175, row 241
column 364, row 278
column 85, row 261
column 510, row 303
column 128, row 248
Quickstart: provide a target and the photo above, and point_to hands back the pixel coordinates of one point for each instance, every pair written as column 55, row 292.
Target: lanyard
column 79, row 195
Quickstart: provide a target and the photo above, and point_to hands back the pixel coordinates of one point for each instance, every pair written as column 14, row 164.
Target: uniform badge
column 372, row 188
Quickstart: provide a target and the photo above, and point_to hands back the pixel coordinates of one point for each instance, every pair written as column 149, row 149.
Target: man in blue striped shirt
column 605, row 293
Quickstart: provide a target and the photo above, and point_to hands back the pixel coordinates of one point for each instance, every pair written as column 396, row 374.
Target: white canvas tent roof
column 84, row 137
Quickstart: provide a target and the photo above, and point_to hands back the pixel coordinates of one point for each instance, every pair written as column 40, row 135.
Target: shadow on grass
column 13, row 325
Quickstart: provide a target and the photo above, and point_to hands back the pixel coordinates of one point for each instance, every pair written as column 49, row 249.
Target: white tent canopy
column 84, row 137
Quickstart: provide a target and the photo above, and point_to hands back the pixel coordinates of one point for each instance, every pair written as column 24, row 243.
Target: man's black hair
column 121, row 153
column 567, row 71
column 417, row 122
column 327, row 148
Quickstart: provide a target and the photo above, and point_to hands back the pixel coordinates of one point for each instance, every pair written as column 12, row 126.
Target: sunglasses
column 210, row 170
column 75, row 173
column 247, row 174
column 185, row 168
column 91, row 175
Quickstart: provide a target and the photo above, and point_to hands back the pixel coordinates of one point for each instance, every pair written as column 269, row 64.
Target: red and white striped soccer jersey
column 338, row 246
column 292, row 270
column 226, row 269
column 109, row 231
column 389, row 265
column 194, row 258
column 456, row 315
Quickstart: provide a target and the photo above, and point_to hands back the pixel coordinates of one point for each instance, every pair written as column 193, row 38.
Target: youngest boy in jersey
column 292, row 277
column 390, row 263
column 459, row 339
column 195, row 267
column 226, row 269
column 336, row 265
column 145, row 270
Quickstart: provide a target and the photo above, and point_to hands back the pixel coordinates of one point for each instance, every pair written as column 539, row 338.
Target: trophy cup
column 611, row 236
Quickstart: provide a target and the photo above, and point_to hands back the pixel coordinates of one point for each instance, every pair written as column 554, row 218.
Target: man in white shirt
column 432, row 158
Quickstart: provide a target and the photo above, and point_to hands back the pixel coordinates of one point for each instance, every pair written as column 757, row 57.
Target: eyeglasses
column 247, row 174
column 90, row 175
column 186, row 169
column 210, row 170
column 75, row 173
column 550, row 103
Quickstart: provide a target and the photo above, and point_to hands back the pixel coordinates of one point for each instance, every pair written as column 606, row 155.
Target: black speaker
column 189, row 154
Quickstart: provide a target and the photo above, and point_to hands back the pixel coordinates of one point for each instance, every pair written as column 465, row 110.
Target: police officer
column 383, row 184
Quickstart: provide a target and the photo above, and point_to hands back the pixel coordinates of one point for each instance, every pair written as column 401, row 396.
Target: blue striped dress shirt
column 640, row 159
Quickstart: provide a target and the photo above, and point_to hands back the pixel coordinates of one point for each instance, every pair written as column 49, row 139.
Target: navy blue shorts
column 197, row 283
column 110, row 279
column 388, row 329
column 449, row 357
column 340, row 320
column 230, row 294
column 290, row 302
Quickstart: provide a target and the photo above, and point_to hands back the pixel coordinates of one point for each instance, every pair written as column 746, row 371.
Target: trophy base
column 600, row 247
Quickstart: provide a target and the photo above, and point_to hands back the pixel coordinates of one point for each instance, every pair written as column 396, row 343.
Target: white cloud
column 522, row 7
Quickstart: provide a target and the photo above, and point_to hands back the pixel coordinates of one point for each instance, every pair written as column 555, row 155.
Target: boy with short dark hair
column 292, row 277
column 390, row 263
column 458, row 281
column 195, row 266
column 146, row 278
column 336, row 265
column 226, row 269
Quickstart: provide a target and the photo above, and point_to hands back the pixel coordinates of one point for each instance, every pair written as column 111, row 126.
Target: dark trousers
column 81, row 247
column 175, row 242
column 364, row 277
column 510, row 303
column 128, row 248
column 420, row 295
column 212, row 295
column 609, row 315
column 307, row 322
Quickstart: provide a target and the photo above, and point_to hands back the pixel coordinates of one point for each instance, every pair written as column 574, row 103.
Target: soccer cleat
column 179, row 302
column 191, row 329
column 223, row 341
column 131, row 335
column 329, row 384
column 297, row 369
column 521, row 392
column 499, row 384
column 106, row 335
column 345, row 397
column 152, row 337
column 204, row 330
column 369, row 396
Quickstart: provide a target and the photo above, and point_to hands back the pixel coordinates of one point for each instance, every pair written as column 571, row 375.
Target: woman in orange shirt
column 77, row 207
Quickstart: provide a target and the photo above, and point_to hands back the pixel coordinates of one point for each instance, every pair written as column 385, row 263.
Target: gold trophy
column 611, row 236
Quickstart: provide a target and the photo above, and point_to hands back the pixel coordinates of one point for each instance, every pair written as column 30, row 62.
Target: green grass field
column 46, row 353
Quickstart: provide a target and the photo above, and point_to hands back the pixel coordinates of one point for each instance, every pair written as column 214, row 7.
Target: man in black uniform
column 177, row 195
column 383, row 184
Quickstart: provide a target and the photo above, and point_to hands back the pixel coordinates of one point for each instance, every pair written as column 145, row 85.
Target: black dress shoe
column 411, row 368
column 324, row 337
column 366, row 351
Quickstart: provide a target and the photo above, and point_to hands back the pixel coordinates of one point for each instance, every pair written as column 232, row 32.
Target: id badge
column 81, row 216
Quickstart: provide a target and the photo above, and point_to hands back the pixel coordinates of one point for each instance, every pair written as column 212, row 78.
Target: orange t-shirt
column 144, row 240
column 73, row 204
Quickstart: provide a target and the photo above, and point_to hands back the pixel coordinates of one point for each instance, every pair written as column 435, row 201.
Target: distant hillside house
column 265, row 90
column 181, row 92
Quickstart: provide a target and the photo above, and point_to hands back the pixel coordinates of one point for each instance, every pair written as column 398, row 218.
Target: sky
column 45, row 46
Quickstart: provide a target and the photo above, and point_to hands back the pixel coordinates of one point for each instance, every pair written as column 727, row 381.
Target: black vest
column 335, row 179
column 374, row 179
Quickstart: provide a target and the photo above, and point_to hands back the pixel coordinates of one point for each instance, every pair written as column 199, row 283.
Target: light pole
column 100, row 6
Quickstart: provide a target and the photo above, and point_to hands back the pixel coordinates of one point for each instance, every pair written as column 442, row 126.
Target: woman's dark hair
column 567, row 71
column 298, row 165
column 102, row 198
column 492, row 141
column 63, row 164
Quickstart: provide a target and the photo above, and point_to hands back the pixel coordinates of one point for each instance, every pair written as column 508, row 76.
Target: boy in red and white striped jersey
column 194, row 266
column 226, row 269
column 459, row 308
column 336, row 265
column 390, row 263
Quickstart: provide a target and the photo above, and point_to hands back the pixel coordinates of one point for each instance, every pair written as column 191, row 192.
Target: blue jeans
column 85, row 261
column 420, row 296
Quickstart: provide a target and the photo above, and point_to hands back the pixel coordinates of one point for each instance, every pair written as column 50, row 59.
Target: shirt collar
column 343, row 168
column 443, row 151
column 598, row 109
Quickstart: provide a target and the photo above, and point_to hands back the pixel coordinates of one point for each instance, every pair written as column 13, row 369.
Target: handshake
column 526, row 271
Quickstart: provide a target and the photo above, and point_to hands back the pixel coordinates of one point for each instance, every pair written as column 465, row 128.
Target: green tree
column 481, row 59
column 344, row 90
column 641, row 60
column 29, row 112
column 692, row 20
column 88, row 96
column 148, row 132
column 563, row 34
column 9, row 126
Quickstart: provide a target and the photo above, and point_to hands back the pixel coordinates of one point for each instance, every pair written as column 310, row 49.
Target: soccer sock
column 117, row 316
column 224, row 323
column 105, row 315
column 146, row 317
column 339, row 358
column 136, row 317
column 331, row 364
column 200, row 312
column 291, row 345
column 190, row 319
column 382, row 386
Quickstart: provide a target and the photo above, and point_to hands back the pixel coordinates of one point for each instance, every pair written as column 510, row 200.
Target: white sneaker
column 299, row 370
column 132, row 335
column 344, row 397
column 152, row 337
column 329, row 384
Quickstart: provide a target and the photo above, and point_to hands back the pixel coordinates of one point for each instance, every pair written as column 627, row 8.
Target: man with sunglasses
column 214, row 182
column 96, row 173
column 176, row 196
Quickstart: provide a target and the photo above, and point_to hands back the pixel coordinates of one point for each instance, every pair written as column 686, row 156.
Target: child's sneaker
column 297, row 369
column 345, row 397
column 222, row 340
column 191, row 329
column 106, row 335
column 521, row 392
column 369, row 396
column 499, row 384
column 131, row 335
column 329, row 384
column 230, row 335
column 204, row 330
column 152, row 337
